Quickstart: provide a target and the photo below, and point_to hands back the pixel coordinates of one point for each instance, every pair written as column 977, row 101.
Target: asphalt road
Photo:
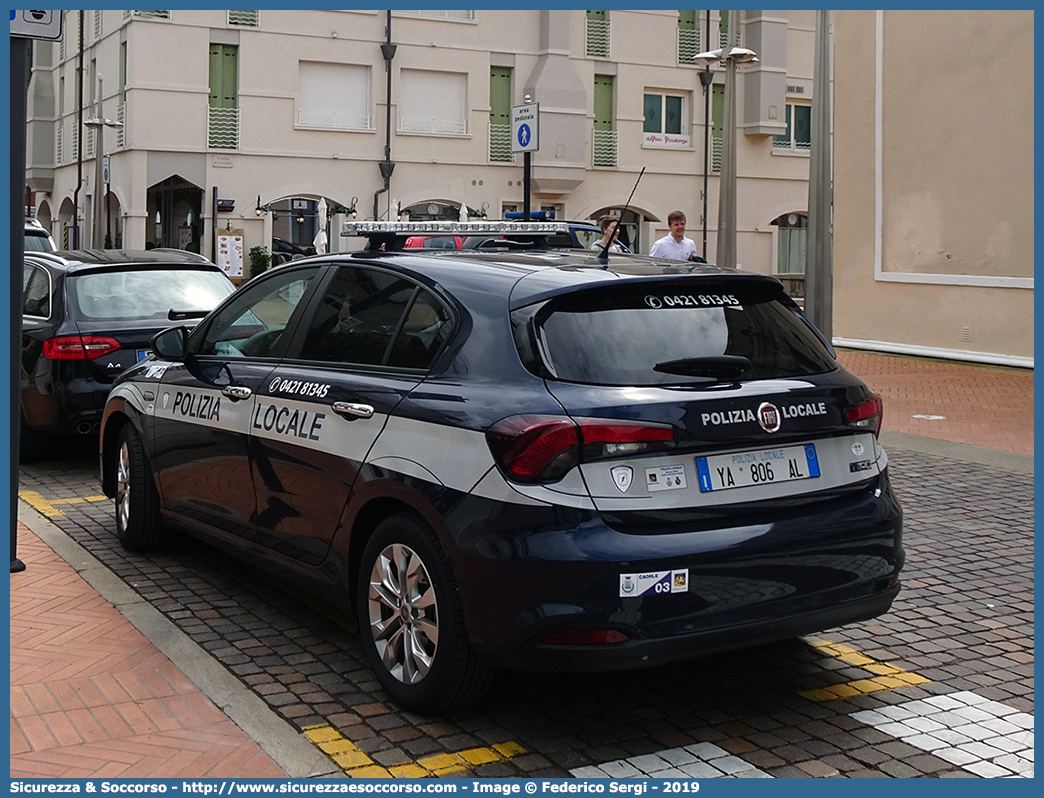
column 941, row 686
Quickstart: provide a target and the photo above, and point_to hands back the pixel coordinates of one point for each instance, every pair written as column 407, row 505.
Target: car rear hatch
column 695, row 394
column 118, row 310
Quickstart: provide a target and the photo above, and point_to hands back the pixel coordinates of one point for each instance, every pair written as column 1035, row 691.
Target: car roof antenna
column 603, row 257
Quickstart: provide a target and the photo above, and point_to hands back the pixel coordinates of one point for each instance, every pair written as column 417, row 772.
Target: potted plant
column 260, row 259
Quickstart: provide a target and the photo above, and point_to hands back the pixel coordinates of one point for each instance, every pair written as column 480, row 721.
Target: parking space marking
column 46, row 507
column 985, row 737
column 887, row 676
column 697, row 761
column 357, row 763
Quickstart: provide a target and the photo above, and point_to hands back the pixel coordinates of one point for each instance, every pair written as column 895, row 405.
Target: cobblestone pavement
column 941, row 686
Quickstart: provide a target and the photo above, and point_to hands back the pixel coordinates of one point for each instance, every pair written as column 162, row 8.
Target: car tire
column 138, row 523
column 411, row 623
column 32, row 445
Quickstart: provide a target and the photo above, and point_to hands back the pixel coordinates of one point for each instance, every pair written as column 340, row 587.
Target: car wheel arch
column 360, row 528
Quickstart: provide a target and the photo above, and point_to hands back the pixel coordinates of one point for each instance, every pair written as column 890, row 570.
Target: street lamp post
column 98, row 227
column 732, row 56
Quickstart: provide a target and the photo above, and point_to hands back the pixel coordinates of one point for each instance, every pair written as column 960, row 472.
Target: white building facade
column 245, row 120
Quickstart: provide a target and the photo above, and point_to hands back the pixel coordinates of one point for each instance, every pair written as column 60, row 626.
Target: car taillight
column 78, row 347
column 544, row 448
column 867, row 414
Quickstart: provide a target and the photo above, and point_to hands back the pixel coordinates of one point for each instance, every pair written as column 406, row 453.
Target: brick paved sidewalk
column 92, row 697
column 965, row 402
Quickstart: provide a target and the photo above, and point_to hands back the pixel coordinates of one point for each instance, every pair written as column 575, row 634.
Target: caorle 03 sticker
column 654, row 582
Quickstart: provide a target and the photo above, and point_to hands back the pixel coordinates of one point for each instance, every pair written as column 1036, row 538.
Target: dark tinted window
column 370, row 317
column 254, row 324
column 617, row 337
column 37, row 292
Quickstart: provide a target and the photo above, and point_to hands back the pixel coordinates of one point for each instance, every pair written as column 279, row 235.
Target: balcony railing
column 223, row 128
column 59, row 141
column 716, row 142
column 603, row 145
column 500, row 143
column 449, row 127
column 598, row 38
column 153, row 14
column 121, row 131
column 248, row 19
column 332, row 121
column 688, row 45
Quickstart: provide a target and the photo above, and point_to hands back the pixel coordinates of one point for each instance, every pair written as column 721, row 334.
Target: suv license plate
column 758, row 467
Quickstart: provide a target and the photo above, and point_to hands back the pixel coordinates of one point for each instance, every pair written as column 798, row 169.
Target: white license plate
column 757, row 467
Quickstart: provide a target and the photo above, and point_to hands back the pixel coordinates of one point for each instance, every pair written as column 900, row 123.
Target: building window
column 500, row 114
column 603, row 140
column 598, row 34
column 223, row 118
column 666, row 120
column 792, row 245
column 688, row 36
column 334, row 96
column 799, row 129
column 432, row 102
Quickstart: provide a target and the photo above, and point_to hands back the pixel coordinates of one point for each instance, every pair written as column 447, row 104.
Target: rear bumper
column 750, row 579
column 648, row 652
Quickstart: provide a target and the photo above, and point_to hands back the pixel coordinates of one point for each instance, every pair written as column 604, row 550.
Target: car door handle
column 236, row 392
column 352, row 411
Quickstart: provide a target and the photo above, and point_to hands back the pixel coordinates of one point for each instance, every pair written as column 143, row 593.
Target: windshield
column 668, row 336
column 145, row 294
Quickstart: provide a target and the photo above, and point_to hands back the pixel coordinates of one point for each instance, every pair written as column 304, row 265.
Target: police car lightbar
column 371, row 229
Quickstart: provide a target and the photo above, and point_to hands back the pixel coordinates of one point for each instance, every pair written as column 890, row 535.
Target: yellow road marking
column 46, row 507
column 889, row 677
column 357, row 764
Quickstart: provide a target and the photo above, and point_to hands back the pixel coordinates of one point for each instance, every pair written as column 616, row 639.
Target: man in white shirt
column 675, row 246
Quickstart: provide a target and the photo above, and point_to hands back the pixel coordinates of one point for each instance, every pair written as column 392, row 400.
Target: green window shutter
column 500, row 95
column 717, row 109
column 603, row 102
column 597, row 16
column 224, row 76
column 686, row 20
column 123, row 72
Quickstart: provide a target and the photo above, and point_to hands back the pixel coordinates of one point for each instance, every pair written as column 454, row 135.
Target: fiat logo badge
column 769, row 417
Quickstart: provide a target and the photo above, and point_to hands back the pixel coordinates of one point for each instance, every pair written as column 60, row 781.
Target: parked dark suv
column 534, row 460
column 89, row 314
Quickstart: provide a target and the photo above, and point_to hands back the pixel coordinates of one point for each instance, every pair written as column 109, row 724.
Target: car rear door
column 368, row 339
column 205, row 406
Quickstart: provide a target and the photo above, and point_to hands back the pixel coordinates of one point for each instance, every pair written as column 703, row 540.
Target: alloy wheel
column 403, row 613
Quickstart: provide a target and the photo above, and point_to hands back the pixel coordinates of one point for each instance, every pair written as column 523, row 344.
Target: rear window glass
column 673, row 335
column 144, row 294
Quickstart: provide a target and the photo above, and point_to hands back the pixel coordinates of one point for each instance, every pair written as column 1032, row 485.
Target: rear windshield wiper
column 181, row 315
column 711, row 366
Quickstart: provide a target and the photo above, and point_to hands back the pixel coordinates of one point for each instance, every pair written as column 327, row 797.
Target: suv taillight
column 867, row 414
column 78, row 347
column 544, row 448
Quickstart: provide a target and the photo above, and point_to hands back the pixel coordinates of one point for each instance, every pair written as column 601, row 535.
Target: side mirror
column 171, row 344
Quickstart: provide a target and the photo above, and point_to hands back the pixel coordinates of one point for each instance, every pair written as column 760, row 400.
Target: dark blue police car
column 527, row 458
